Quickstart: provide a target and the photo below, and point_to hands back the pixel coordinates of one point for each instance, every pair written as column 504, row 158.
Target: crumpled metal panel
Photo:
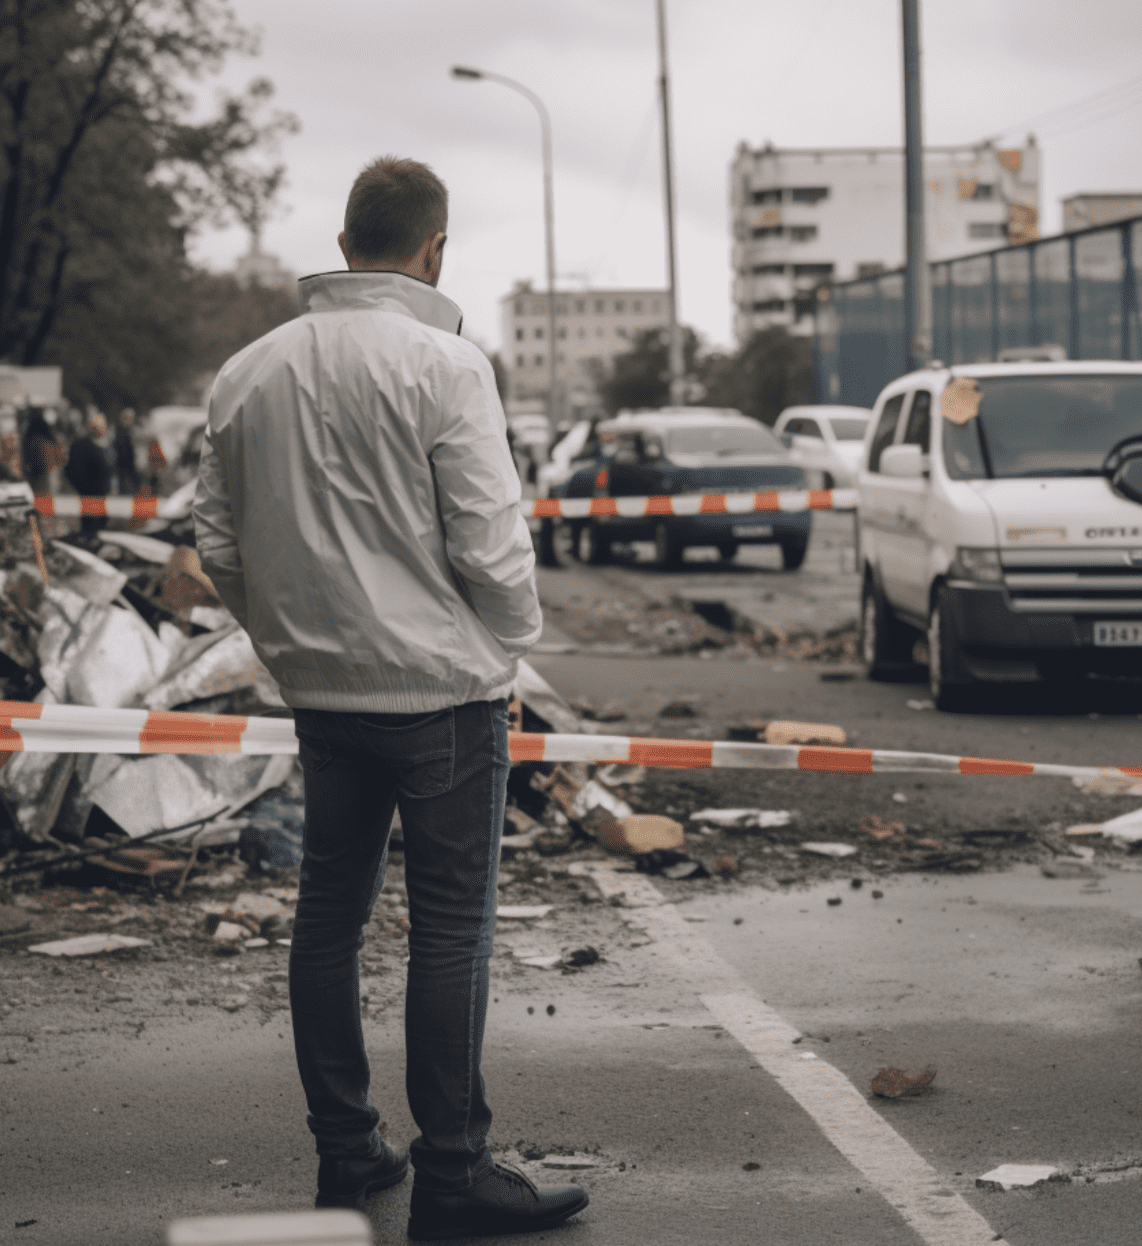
column 211, row 665
column 91, row 577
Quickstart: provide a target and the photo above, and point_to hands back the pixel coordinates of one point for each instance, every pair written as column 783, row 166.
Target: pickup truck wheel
column 594, row 548
column 951, row 685
column 885, row 642
column 793, row 553
column 668, row 549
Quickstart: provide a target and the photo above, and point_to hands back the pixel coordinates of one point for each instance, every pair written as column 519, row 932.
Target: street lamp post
column 677, row 371
column 468, row 74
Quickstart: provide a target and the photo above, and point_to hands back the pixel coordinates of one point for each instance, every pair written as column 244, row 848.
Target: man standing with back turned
column 358, row 511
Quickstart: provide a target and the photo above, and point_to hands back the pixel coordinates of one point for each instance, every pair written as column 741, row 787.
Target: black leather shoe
column 349, row 1182
column 504, row 1202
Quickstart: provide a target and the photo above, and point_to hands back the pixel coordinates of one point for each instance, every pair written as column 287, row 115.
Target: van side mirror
column 786, row 440
column 904, row 462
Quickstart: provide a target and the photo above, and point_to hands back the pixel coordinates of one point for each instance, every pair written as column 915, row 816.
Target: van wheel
column 951, row 685
column 594, row 548
column 728, row 551
column 793, row 554
column 885, row 642
column 668, row 549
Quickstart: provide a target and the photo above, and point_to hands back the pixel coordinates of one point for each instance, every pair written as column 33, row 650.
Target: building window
column 561, row 309
column 582, row 332
column 620, row 332
column 561, row 332
column 768, row 270
column 769, row 231
column 560, row 358
column 987, row 229
column 873, row 268
column 620, row 305
column 812, row 270
column 809, row 194
column 538, row 333
column 804, row 307
column 770, row 305
column 539, row 309
column 519, row 307
column 636, row 306
column 767, row 196
column 600, row 306
column 519, row 335
column 802, row 233
column 983, row 190
column 539, row 361
column 580, row 306
column 521, row 361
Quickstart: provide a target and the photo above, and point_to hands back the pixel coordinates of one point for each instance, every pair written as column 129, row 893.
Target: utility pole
column 467, row 74
column 677, row 372
column 917, row 283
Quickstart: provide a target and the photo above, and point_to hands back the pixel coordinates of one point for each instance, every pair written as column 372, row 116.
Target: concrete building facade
column 1091, row 208
column 591, row 328
column 802, row 217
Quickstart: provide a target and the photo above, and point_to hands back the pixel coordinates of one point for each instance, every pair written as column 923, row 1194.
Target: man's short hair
column 394, row 207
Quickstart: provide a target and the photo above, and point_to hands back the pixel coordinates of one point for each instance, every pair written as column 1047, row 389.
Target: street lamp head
column 462, row 71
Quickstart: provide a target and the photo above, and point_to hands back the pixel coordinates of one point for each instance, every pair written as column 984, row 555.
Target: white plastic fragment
column 594, row 795
column 1127, row 827
column 829, row 850
column 253, row 944
column 523, row 912
column 89, row 945
column 278, row 1228
column 541, row 962
column 743, row 817
column 1011, row 1175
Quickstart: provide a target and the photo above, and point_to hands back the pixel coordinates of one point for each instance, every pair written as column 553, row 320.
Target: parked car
column 826, row 441
column 687, row 450
column 1001, row 519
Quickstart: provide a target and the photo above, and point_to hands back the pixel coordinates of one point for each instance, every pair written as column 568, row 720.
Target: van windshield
column 724, row 439
column 849, row 429
column 1044, row 426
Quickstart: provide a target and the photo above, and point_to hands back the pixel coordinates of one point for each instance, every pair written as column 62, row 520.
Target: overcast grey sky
column 370, row 77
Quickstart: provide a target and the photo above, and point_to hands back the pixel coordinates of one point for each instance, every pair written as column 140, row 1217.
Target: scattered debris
column 805, row 733
column 829, row 850
column 892, row 1083
column 1112, row 783
column 1126, row 828
column 743, row 819
column 89, row 945
column 679, row 709
column 580, row 957
column 640, row 833
column 541, row 962
column 1018, row 1176
column 523, row 912
column 879, row 829
column 921, row 705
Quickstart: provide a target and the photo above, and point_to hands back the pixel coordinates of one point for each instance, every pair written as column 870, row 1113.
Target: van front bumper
column 992, row 634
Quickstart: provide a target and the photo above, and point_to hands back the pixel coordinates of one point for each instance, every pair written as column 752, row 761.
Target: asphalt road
column 670, row 1066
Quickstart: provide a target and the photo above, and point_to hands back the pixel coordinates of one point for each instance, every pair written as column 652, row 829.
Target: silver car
column 826, row 441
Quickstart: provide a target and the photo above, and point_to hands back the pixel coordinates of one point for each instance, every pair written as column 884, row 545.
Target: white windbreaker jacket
column 358, row 507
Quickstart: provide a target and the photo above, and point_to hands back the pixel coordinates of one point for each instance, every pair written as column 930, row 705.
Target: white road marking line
column 905, row 1179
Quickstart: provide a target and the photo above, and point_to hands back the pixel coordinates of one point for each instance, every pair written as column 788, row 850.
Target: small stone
column 833, row 901
column 878, row 895
column 551, row 1010
column 751, row 1166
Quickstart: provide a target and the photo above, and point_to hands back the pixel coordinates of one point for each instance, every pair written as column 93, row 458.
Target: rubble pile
column 129, row 619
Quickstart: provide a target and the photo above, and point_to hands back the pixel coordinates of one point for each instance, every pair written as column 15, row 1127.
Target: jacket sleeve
column 486, row 535
column 215, row 532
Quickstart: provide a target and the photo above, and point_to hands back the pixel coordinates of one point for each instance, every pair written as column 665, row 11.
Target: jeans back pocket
column 421, row 748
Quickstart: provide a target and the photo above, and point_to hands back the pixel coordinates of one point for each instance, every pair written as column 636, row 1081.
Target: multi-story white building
column 591, row 328
column 802, row 217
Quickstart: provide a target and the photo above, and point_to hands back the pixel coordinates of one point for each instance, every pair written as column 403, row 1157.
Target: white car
column 1000, row 518
column 826, row 441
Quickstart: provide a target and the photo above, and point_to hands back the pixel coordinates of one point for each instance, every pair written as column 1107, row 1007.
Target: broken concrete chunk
column 805, row 733
column 829, row 850
column 229, row 932
column 89, row 945
column 743, row 819
column 892, row 1083
column 637, row 833
column 1011, row 1176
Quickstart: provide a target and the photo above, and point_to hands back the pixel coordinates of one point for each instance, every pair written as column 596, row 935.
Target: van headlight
column 977, row 564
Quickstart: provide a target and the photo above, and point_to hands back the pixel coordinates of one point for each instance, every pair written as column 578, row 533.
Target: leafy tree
column 104, row 175
column 771, row 371
column 641, row 376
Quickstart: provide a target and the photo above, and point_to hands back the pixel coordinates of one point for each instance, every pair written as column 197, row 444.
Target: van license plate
column 1118, row 634
column 758, row 529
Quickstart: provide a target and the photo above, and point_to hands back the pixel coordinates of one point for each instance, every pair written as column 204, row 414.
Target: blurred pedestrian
column 88, row 471
column 126, row 472
column 43, row 453
column 358, row 511
column 157, row 462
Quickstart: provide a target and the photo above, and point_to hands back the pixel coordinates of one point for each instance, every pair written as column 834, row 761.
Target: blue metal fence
column 1076, row 291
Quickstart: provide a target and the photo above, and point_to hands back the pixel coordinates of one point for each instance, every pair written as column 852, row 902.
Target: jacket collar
column 380, row 291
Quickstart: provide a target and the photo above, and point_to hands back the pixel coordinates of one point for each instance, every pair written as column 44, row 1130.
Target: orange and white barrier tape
column 68, row 506
column 33, row 728
column 684, row 504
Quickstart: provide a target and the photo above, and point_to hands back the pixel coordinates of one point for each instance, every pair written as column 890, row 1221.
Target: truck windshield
column 1044, row 426
column 724, row 439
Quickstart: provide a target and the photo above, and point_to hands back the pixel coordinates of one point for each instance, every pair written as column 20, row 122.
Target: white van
column 1000, row 518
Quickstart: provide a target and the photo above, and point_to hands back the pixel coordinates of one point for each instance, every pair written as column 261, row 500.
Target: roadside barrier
column 34, row 728
column 69, row 506
column 683, row 504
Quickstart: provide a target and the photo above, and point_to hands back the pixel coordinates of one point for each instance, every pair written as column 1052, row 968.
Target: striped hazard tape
column 68, row 506
column 33, row 728
column 790, row 502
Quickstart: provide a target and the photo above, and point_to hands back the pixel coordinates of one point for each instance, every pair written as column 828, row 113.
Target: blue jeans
column 447, row 771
